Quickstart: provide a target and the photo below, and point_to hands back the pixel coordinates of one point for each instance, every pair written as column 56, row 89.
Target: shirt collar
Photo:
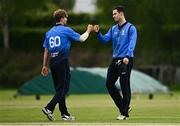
column 120, row 26
column 58, row 24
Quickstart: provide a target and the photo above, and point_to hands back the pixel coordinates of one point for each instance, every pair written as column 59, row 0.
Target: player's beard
column 116, row 21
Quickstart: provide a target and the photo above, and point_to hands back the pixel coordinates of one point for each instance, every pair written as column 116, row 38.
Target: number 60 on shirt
column 54, row 41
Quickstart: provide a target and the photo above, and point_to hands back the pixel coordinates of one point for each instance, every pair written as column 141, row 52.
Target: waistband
column 121, row 58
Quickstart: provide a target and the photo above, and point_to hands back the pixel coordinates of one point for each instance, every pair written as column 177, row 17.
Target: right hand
column 90, row 28
column 96, row 28
column 44, row 71
column 125, row 60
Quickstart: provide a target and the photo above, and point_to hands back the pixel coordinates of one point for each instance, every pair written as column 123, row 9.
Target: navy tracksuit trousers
column 61, row 78
column 118, row 69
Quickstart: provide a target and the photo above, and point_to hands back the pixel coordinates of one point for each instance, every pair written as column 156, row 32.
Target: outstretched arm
column 76, row 36
column 85, row 35
column 103, row 38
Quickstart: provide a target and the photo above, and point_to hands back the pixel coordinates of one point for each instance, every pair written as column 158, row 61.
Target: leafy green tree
column 11, row 10
column 65, row 4
column 105, row 9
column 157, row 23
column 16, row 12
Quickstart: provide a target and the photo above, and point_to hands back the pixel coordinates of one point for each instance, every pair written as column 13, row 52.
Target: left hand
column 125, row 60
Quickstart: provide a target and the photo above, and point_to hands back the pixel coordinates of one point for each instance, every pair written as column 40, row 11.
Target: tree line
column 157, row 22
column 23, row 25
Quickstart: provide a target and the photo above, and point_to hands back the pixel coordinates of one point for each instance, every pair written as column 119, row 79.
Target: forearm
column 84, row 36
column 132, row 40
column 103, row 38
column 45, row 57
column 132, row 45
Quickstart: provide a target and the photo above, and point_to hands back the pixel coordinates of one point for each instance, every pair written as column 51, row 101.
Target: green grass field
column 97, row 109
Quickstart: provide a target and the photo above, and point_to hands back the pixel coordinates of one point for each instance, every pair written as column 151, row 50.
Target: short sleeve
column 72, row 34
column 45, row 44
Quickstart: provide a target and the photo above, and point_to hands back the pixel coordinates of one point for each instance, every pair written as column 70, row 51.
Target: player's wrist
column 97, row 32
column 44, row 66
column 88, row 31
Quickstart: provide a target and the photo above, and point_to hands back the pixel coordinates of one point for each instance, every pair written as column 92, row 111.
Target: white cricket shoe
column 49, row 114
column 121, row 117
column 67, row 118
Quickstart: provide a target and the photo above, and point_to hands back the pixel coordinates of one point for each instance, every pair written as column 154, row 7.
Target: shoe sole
column 71, row 119
column 51, row 119
column 122, row 119
column 129, row 110
column 68, row 119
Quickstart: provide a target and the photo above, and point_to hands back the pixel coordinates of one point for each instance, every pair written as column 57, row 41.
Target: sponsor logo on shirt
column 115, row 33
column 123, row 32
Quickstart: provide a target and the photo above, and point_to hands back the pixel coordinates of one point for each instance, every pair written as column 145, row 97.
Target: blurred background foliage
column 23, row 25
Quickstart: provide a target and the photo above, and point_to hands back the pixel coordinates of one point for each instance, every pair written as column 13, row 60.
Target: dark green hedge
column 162, row 48
column 73, row 19
column 24, row 59
column 31, row 39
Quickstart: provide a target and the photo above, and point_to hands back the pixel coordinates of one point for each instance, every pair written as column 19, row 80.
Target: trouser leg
column 112, row 77
column 62, row 106
column 125, row 86
column 61, row 76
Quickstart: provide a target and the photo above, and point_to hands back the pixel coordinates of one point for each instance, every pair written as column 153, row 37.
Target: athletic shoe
column 48, row 113
column 121, row 117
column 67, row 118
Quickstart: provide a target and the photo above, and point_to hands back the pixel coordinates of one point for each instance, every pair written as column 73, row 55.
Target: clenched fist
column 44, row 71
column 96, row 28
column 90, row 28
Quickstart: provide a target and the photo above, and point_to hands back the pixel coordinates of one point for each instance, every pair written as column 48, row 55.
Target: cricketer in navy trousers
column 123, row 36
column 57, row 45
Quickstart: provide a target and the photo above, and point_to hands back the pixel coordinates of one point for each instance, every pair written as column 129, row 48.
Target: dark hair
column 119, row 8
column 58, row 14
